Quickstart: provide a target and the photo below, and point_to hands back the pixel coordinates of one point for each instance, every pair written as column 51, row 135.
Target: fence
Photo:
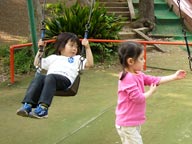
column 145, row 43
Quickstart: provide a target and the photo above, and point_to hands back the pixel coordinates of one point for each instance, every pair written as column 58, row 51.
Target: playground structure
column 145, row 43
column 159, row 4
column 168, row 22
column 186, row 11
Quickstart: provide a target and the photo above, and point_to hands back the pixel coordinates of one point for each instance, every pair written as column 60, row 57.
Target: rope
column 185, row 37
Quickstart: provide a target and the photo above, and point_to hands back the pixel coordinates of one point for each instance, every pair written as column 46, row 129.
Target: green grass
column 66, row 115
column 89, row 117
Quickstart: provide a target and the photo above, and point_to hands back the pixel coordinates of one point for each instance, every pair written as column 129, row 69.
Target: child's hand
column 41, row 44
column 180, row 74
column 85, row 42
column 153, row 88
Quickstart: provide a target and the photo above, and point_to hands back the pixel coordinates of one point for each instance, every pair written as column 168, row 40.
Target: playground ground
column 88, row 118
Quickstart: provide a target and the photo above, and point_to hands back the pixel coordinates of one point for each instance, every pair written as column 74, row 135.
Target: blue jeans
column 43, row 87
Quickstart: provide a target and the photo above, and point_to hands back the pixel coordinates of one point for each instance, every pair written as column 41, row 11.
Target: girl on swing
column 62, row 69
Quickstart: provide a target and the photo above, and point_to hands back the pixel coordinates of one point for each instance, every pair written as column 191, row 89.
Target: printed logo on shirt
column 71, row 60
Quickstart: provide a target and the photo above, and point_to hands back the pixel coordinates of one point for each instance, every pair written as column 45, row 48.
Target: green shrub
column 4, row 51
column 23, row 60
column 74, row 19
column 4, row 59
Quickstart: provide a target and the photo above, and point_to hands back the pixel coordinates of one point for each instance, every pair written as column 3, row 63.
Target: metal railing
column 145, row 43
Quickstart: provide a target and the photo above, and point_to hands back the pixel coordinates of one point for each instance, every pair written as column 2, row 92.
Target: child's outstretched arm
column 89, row 55
column 180, row 74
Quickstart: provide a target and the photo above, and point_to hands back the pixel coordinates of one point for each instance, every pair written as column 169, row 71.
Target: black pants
column 42, row 88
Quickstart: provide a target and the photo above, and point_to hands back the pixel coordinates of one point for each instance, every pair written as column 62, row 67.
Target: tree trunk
column 146, row 15
column 146, row 9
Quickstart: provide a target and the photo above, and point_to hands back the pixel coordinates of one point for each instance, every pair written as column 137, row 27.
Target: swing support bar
column 32, row 24
column 145, row 43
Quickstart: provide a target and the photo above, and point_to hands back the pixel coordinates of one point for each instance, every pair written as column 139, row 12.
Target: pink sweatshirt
column 131, row 104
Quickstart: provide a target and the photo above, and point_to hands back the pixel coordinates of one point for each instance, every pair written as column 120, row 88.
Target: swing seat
column 72, row 90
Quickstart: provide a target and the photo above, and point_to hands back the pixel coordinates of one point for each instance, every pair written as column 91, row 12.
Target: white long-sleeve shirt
column 66, row 66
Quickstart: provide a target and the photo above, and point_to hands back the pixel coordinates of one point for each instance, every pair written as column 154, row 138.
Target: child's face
column 136, row 65
column 70, row 49
column 139, row 62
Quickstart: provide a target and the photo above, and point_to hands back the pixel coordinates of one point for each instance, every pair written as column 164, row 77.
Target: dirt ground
column 14, row 22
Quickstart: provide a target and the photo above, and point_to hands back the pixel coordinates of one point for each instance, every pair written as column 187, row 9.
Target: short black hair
column 62, row 40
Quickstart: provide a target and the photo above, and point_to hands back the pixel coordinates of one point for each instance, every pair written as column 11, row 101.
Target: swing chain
column 185, row 37
column 41, row 48
column 87, row 27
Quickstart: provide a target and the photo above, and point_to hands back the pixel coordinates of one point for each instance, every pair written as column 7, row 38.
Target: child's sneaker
column 39, row 112
column 24, row 110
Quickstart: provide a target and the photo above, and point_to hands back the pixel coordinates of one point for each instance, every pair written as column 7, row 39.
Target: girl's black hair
column 128, row 50
column 62, row 40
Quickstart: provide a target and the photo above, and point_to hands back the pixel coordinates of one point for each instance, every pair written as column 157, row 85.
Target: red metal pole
column 13, row 47
column 145, row 56
column 12, row 64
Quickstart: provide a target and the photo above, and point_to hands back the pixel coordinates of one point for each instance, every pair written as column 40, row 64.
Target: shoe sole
column 37, row 117
column 22, row 113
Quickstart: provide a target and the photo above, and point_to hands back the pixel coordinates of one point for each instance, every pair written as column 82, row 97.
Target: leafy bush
column 75, row 18
column 23, row 60
column 4, row 59
column 4, row 51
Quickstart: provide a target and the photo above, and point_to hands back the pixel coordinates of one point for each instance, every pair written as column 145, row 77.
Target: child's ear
column 130, row 61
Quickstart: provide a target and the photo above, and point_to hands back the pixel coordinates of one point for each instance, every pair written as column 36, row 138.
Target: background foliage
column 75, row 19
column 60, row 18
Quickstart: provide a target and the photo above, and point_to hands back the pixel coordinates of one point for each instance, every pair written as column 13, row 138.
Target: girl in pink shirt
column 131, row 104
